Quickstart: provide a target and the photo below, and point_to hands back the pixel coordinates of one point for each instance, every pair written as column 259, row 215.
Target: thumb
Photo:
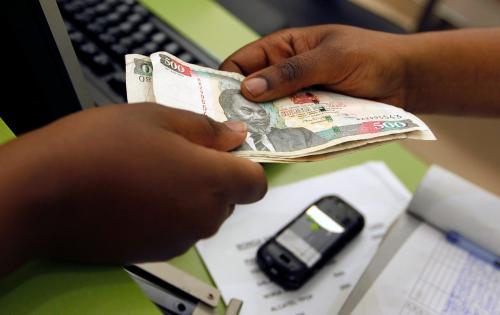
column 284, row 78
column 205, row 131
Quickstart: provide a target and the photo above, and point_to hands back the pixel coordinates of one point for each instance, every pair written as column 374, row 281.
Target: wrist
column 27, row 194
column 409, row 63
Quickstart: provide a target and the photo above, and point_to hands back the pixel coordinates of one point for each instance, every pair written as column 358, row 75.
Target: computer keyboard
column 104, row 31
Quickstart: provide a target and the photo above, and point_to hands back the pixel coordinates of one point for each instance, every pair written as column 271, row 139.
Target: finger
column 241, row 180
column 234, row 180
column 273, row 48
column 284, row 78
column 266, row 51
column 247, row 60
column 203, row 130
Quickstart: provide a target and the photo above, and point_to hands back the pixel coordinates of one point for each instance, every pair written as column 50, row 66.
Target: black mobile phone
column 304, row 245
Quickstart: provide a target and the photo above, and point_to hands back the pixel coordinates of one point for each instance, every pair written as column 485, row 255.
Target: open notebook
column 429, row 275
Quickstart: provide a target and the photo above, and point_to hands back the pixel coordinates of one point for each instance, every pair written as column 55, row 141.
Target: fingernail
column 237, row 126
column 256, row 86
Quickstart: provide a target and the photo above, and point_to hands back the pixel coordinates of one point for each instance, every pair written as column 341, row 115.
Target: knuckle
column 210, row 130
column 290, row 70
column 213, row 126
column 287, row 34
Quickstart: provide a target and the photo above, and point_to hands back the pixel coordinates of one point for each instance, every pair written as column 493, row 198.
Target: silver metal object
column 177, row 292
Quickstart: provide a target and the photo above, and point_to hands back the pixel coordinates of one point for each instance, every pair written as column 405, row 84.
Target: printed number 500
column 389, row 125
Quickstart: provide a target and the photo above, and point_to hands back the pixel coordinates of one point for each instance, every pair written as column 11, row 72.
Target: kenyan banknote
column 139, row 79
column 308, row 125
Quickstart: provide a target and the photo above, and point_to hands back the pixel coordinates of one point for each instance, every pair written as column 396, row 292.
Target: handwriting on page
column 454, row 282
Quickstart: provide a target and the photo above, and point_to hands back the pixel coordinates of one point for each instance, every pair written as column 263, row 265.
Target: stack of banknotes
column 307, row 126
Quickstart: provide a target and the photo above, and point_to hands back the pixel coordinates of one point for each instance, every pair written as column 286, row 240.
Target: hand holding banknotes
column 119, row 184
column 345, row 59
column 451, row 72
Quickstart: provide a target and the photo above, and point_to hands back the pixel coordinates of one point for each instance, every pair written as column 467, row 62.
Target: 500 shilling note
column 306, row 126
column 139, row 79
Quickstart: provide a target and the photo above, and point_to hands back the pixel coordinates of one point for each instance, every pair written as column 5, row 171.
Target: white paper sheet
column 450, row 202
column 230, row 255
column 430, row 276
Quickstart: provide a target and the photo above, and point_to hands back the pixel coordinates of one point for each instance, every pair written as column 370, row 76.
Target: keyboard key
column 140, row 9
column 77, row 37
column 89, row 3
column 84, row 18
column 101, row 20
column 147, row 27
column 72, row 7
column 119, row 50
column 115, row 31
column 139, row 50
column 187, row 57
column 172, row 48
column 89, row 11
column 110, row 2
column 108, row 39
column 159, row 38
column 113, row 18
column 95, row 28
column 102, row 8
column 69, row 27
column 101, row 64
column 89, row 49
column 151, row 47
column 122, row 9
column 139, row 38
column 126, row 27
column 135, row 18
column 127, row 42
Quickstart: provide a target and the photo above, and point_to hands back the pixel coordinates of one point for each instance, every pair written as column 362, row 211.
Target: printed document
column 230, row 255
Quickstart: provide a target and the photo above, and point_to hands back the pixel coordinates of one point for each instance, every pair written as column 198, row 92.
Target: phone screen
column 309, row 236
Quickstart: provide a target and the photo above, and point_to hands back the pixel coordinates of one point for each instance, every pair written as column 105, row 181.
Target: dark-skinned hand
column 121, row 184
column 339, row 58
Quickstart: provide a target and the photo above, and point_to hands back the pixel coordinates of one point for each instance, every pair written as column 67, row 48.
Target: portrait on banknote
column 263, row 135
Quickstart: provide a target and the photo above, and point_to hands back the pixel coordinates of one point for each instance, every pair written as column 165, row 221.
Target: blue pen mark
column 475, row 291
column 473, row 248
column 454, row 282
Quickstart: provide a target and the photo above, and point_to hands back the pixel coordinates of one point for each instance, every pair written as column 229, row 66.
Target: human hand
column 125, row 183
column 344, row 59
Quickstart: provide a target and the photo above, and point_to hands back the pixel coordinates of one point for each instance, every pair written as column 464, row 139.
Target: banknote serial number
column 381, row 117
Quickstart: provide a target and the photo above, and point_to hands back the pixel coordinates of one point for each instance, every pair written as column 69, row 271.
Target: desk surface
column 49, row 288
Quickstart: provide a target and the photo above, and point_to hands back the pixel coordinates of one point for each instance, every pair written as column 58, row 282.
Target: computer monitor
column 43, row 79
